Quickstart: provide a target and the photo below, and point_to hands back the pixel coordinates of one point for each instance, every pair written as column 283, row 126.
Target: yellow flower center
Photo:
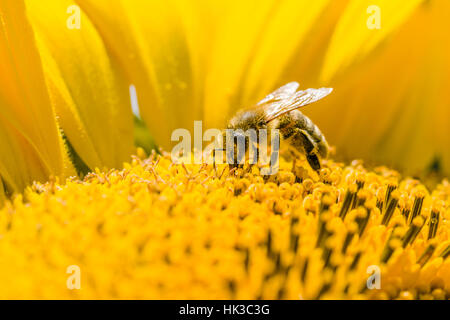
column 162, row 230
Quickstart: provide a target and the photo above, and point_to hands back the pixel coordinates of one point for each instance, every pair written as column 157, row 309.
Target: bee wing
column 278, row 107
column 281, row 94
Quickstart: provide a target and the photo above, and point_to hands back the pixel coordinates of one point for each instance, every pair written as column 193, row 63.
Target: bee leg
column 235, row 166
column 311, row 150
column 313, row 161
column 214, row 162
column 301, row 139
column 255, row 161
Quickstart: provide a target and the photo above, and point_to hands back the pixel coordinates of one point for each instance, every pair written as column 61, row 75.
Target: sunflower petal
column 148, row 42
column 393, row 108
column 90, row 99
column 30, row 143
column 353, row 39
column 289, row 27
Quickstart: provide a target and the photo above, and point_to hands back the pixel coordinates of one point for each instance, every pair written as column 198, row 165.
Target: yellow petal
column 288, row 27
column 2, row 191
column 148, row 41
column 30, row 142
column 393, row 107
column 193, row 60
column 90, row 97
column 357, row 34
column 20, row 163
column 307, row 61
column 251, row 48
column 238, row 31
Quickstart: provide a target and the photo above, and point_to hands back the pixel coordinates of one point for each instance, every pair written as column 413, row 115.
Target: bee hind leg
column 313, row 161
column 311, row 150
column 301, row 139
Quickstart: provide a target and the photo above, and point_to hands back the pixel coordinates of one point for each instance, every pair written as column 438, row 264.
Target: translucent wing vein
column 284, row 100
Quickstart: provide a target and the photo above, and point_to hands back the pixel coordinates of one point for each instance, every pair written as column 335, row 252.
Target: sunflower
column 68, row 130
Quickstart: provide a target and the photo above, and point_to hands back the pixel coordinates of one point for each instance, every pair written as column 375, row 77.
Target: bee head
column 246, row 120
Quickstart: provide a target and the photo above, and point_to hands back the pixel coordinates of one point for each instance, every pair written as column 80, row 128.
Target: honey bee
column 279, row 111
